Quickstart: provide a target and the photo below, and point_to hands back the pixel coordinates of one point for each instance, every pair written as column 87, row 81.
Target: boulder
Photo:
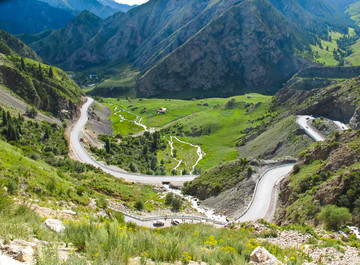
column 55, row 225
column 69, row 212
column 261, row 256
column 25, row 255
column 5, row 260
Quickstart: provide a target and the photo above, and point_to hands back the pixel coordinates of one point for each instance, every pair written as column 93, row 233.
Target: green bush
column 333, row 216
column 12, row 186
column 4, row 200
column 176, row 204
column 102, row 202
column 169, row 198
column 173, row 200
column 296, row 169
column 139, row 205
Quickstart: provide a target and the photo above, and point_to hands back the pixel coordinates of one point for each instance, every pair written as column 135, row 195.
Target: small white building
column 161, row 110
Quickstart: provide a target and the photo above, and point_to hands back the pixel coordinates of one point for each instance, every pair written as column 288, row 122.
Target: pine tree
column 4, row 118
column 20, row 117
column 40, row 73
column 51, row 72
column 108, row 146
column 154, row 163
column 46, row 133
column 23, row 64
column 8, row 117
column 145, row 150
column 33, row 71
column 19, row 130
column 12, row 133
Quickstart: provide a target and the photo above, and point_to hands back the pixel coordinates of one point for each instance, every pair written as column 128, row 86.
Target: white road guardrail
column 199, row 218
column 255, row 190
column 153, row 218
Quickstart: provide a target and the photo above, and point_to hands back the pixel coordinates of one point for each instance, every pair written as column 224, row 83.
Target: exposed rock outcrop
column 261, row 256
column 55, row 225
column 355, row 120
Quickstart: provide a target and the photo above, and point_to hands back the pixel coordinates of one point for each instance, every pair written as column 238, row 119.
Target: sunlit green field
column 221, row 125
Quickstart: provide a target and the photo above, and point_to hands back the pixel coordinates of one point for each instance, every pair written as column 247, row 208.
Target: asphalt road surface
column 304, row 122
column 262, row 200
column 82, row 155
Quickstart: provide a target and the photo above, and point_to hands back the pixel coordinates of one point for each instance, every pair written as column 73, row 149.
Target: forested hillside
column 43, row 86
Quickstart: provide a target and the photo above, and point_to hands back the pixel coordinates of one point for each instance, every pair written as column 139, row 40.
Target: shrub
column 12, row 187
column 102, row 202
column 80, row 190
column 31, row 112
column 173, row 200
column 4, row 200
column 35, row 156
column 169, row 198
column 296, row 169
column 133, row 167
column 139, row 205
column 176, row 204
column 333, row 216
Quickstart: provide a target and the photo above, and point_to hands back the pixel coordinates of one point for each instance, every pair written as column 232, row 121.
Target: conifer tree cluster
column 137, row 154
column 11, row 126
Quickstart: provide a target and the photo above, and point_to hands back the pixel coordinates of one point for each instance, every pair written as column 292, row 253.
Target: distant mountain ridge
column 101, row 8
column 32, row 16
column 203, row 46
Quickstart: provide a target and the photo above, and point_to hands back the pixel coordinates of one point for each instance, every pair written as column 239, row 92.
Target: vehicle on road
column 176, row 222
column 159, row 223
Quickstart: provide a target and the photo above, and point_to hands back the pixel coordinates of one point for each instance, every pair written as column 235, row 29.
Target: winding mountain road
column 302, row 121
column 262, row 200
column 82, row 155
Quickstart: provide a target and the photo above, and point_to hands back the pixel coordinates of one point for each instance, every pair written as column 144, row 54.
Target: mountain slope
column 248, row 47
column 31, row 16
column 58, row 47
column 10, row 45
column 45, row 87
column 121, row 35
column 327, row 173
column 157, row 38
column 316, row 15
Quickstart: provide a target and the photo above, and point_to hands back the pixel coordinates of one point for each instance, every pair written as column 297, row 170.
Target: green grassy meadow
column 211, row 123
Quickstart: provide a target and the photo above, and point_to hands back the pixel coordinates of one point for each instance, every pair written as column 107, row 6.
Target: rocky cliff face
column 338, row 101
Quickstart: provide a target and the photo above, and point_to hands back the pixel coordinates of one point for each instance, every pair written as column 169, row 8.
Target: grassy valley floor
column 214, row 124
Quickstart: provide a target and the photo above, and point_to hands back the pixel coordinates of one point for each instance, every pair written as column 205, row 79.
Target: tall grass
column 114, row 243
